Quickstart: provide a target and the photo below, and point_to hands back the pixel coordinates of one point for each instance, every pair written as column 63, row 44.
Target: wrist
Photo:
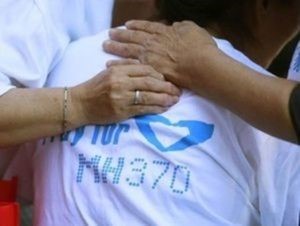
column 75, row 116
column 200, row 70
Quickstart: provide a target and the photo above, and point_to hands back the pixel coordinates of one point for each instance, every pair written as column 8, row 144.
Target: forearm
column 28, row 114
column 260, row 100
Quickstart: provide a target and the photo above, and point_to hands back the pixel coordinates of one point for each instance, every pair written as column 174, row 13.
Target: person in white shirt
column 34, row 35
column 196, row 164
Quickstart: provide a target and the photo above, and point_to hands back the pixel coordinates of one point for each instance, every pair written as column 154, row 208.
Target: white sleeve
column 30, row 45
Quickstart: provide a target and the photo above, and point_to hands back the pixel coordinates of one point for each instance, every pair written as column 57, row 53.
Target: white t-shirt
column 35, row 33
column 294, row 71
column 196, row 164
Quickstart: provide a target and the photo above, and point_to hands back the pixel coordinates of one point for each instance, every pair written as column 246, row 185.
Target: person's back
column 195, row 164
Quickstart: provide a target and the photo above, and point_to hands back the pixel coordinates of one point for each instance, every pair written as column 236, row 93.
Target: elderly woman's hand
column 175, row 51
column 121, row 92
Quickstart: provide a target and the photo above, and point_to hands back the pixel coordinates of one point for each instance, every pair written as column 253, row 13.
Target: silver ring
column 136, row 97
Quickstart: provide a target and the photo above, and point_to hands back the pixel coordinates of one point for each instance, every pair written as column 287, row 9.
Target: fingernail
column 175, row 99
column 106, row 43
column 112, row 31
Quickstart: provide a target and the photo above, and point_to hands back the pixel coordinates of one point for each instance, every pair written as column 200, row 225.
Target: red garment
column 9, row 208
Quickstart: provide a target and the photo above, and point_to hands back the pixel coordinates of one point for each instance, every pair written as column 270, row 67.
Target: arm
column 260, row 100
column 187, row 56
column 28, row 114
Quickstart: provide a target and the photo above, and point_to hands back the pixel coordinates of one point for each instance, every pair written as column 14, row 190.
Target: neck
column 260, row 51
column 263, row 52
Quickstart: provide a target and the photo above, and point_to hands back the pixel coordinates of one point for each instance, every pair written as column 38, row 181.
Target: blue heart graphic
column 199, row 132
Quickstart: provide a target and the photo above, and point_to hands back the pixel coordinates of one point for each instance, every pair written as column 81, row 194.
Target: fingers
column 137, row 70
column 128, row 36
column 157, row 99
column 137, row 110
column 154, row 85
column 146, row 26
column 155, row 95
column 123, row 49
column 185, row 23
column 112, row 63
column 142, row 77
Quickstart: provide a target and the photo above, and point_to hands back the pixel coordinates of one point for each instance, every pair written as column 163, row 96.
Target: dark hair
column 201, row 12
column 230, row 14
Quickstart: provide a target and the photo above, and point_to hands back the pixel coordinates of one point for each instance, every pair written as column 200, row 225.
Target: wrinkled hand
column 175, row 51
column 109, row 96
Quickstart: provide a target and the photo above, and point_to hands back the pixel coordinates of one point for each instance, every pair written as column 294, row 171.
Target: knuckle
column 110, row 96
column 113, row 86
column 159, row 76
column 149, row 83
column 114, row 47
column 139, row 51
column 112, row 71
column 165, row 99
column 146, row 58
column 116, row 85
column 148, row 43
column 141, row 37
column 147, row 26
column 132, row 51
column 140, row 110
column 127, row 50
column 148, row 68
column 143, row 99
column 169, row 86
column 132, row 35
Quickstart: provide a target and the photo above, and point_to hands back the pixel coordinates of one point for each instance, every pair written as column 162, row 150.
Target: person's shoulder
column 93, row 42
column 237, row 55
column 96, row 39
column 84, row 58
